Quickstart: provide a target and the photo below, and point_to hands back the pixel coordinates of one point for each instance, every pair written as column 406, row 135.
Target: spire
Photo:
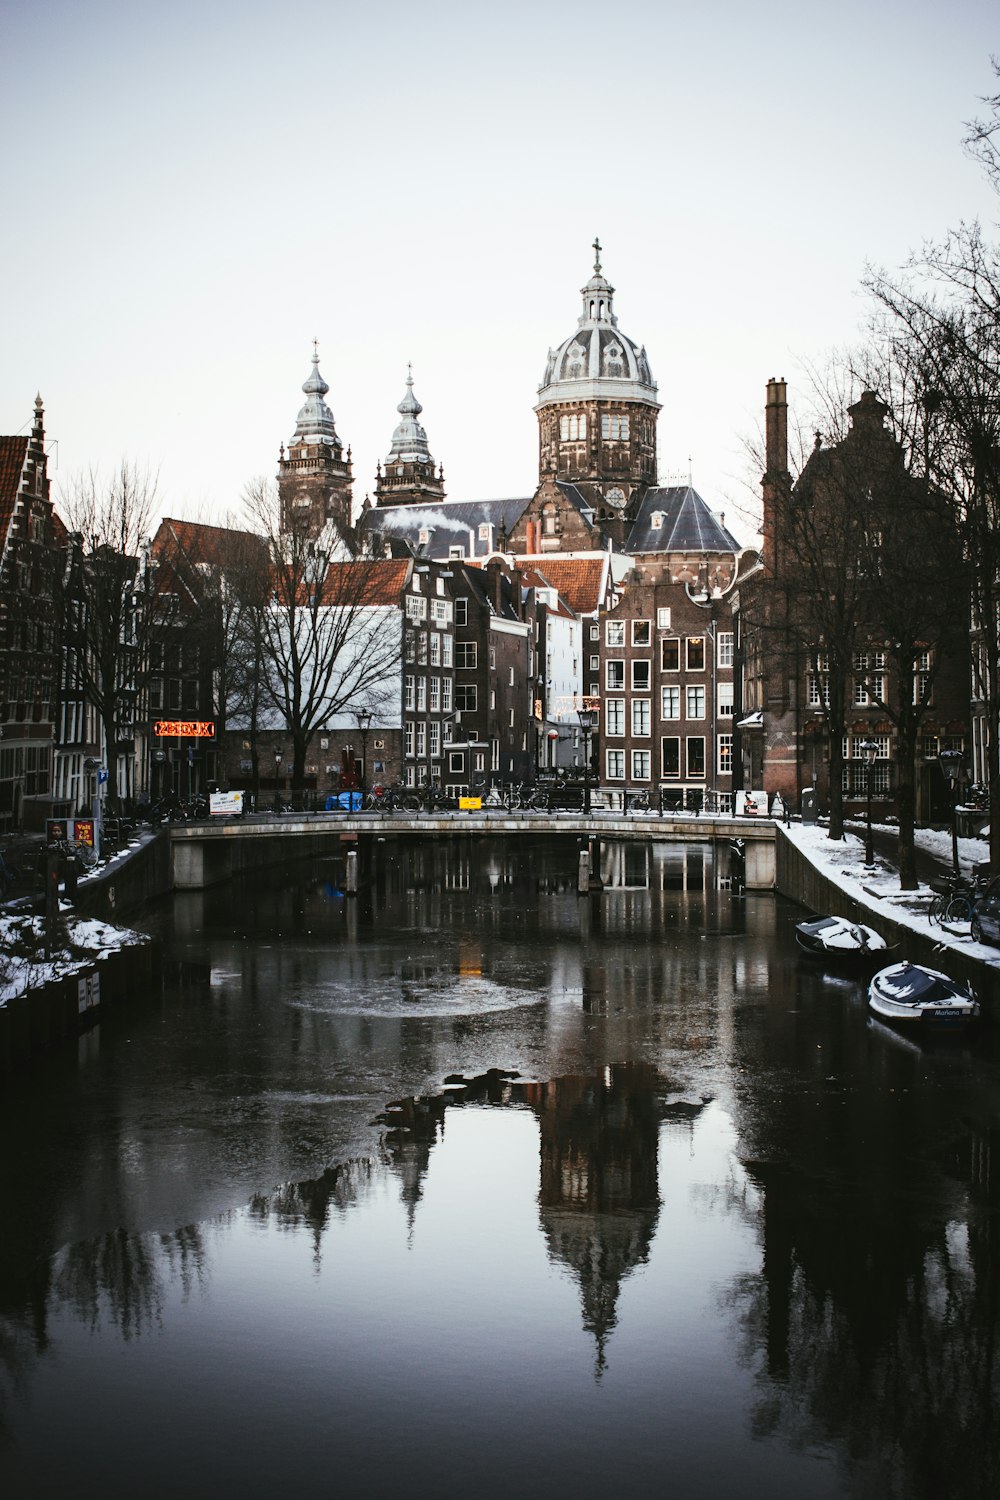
column 597, row 257
column 597, row 295
column 409, row 441
column 315, row 419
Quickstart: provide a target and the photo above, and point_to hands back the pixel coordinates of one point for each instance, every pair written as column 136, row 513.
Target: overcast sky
column 195, row 191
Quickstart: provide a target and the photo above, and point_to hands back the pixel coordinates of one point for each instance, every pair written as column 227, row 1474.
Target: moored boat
column 835, row 937
column 920, row 1000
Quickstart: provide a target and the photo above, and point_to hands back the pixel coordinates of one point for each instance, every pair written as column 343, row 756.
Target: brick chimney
column 776, row 479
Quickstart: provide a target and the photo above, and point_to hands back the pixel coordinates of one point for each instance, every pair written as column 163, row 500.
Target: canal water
column 471, row 1185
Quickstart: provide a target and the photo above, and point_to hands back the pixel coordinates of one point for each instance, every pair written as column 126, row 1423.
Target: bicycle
column 954, row 897
column 638, row 801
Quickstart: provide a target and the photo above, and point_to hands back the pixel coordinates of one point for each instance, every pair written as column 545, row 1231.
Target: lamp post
column 950, row 762
column 277, row 774
column 364, row 718
column 588, row 718
column 869, row 749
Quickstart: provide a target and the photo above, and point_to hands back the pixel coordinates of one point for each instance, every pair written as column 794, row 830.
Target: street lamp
column 364, row 718
column 869, row 749
column 950, row 762
column 588, row 718
column 277, row 774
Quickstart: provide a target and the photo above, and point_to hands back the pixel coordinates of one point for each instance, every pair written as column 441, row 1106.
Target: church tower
column 314, row 477
column 409, row 477
column 597, row 409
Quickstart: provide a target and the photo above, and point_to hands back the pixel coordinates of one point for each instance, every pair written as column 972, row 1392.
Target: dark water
column 471, row 1187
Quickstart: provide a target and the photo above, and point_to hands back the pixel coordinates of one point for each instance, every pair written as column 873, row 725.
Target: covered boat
column 919, row 999
column 835, row 937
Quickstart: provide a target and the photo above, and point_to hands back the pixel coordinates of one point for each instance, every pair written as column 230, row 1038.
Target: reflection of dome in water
column 600, row 1250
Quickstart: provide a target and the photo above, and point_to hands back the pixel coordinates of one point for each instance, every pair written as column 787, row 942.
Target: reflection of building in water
column 598, row 1195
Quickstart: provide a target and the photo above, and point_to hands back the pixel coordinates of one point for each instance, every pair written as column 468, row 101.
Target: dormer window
column 614, row 361
column 656, row 520
column 575, row 361
column 423, row 536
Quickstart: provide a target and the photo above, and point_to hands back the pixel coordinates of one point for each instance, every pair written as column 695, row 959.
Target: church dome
column 314, row 423
column 598, row 361
column 409, row 441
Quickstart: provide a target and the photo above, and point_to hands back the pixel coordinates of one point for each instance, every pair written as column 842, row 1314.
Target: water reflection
column 633, row 1137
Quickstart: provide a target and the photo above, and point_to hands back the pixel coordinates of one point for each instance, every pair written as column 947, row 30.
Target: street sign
column 102, row 777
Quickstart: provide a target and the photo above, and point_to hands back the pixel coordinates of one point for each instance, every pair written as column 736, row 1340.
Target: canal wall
column 47, row 1015
column 800, row 880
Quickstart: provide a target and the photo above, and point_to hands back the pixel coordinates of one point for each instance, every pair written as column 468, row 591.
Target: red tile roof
column 378, row 581
column 13, row 452
column 199, row 543
column 581, row 581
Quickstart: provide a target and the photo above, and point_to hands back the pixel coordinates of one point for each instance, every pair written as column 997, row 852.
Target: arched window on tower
column 573, row 429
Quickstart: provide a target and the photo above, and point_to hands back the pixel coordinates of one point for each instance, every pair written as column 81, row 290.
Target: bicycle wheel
column 411, row 803
column 959, row 909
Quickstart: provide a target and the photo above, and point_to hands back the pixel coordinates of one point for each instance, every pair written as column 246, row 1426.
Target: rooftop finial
column 409, row 373
column 315, row 351
column 597, row 257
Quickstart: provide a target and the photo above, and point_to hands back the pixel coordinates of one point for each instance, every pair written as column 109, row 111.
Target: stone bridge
column 210, row 853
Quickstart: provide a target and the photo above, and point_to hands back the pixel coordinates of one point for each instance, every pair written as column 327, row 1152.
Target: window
column 614, row 716
column 410, row 647
column 670, row 654
column 725, row 648
column 640, row 717
column 641, row 676
column 615, row 427
column 614, row 672
column 670, row 702
column 614, row 632
column 465, row 697
column 616, row 765
column 640, row 765
column 696, row 653
column 724, row 700
column 434, row 732
column 922, row 678
column 466, row 655
column 461, row 611
column 595, row 632
column 416, row 607
column 642, row 633
column 435, row 650
column 408, row 738
column 435, row 695
column 421, row 729
column 696, row 756
column 695, row 705
column 573, row 429
column 441, row 611
column 725, row 754
column 818, row 690
column 670, row 756
column 456, row 762
column 595, row 663
column 422, row 649
column 421, row 695
column 663, row 619
column 408, row 690
column 446, row 695
column 447, row 650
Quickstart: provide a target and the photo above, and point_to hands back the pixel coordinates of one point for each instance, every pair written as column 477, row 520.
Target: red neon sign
column 185, row 729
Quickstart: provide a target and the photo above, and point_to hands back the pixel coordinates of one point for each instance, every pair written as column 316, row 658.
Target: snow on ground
column 843, row 863
column 23, row 965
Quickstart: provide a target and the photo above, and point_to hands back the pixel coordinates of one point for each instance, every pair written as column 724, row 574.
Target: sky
column 195, row 192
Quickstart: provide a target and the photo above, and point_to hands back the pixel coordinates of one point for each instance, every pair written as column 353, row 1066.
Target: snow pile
column 24, row 963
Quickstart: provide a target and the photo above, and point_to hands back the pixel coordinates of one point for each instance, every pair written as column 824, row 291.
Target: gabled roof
column 535, row 579
column 581, row 581
column 686, row 524
column 448, row 524
column 198, row 543
column 358, row 585
column 13, row 452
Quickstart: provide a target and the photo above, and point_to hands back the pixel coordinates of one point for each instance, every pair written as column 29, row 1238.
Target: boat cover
column 908, row 984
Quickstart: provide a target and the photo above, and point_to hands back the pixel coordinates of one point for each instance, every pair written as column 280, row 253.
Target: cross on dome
column 597, row 257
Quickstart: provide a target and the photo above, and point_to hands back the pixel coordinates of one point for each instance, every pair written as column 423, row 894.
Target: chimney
column 776, row 427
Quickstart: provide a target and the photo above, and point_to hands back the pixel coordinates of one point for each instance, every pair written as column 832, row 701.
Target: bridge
column 212, row 852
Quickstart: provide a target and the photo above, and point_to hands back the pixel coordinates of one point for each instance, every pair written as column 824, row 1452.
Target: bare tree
column 123, row 610
column 331, row 632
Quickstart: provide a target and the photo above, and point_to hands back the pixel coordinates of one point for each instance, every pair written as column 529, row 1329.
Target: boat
column 922, row 1001
column 835, row 937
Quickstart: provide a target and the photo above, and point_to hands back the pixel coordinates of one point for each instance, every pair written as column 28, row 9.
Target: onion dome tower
column 314, row 477
column 597, row 408
column 409, row 476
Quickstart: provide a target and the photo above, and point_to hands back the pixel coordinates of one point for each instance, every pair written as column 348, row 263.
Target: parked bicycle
column 954, row 898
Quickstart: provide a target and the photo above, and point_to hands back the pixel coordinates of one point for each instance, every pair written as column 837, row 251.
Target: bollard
column 583, row 875
column 351, row 883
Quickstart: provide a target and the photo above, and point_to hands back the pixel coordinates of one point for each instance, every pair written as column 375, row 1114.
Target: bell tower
column 314, row 477
column 409, row 476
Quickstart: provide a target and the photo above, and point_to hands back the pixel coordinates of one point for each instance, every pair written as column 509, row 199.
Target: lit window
column 695, row 653
column 725, row 758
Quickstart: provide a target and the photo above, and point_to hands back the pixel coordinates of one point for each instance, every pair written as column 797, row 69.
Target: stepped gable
column 13, row 453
